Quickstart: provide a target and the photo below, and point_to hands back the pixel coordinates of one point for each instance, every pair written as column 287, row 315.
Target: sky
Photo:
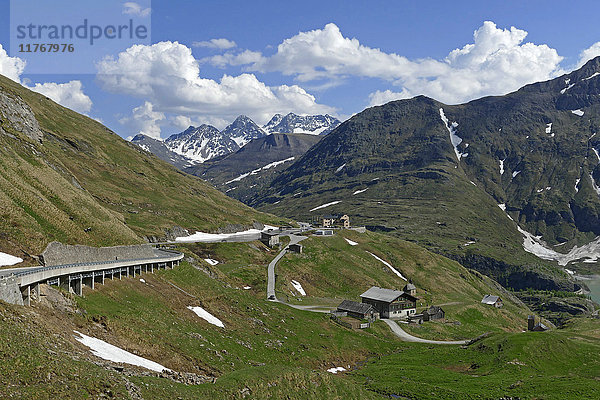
column 210, row 61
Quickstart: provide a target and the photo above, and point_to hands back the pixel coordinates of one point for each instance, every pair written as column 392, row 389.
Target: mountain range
column 205, row 142
column 507, row 184
column 251, row 168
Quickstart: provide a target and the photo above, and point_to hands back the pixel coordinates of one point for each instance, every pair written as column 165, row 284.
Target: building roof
column 381, row 294
column 409, row 286
column 489, row 299
column 433, row 310
column 540, row 327
column 356, row 307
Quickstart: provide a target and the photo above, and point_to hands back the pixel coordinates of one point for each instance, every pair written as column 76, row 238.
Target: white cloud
column 68, row 94
column 243, row 58
column 222, row 44
column 145, row 120
column 496, row 63
column 589, row 53
column 133, row 8
column 11, row 67
column 168, row 76
column 381, row 97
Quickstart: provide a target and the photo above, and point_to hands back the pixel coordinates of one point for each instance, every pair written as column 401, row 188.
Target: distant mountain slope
column 207, row 142
column 159, row 149
column 443, row 175
column 310, row 124
column 201, row 143
column 84, row 184
column 249, row 169
column 243, row 130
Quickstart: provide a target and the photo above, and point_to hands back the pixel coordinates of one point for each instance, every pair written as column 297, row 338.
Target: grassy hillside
column 270, row 350
column 84, row 184
column 331, row 270
column 550, row 365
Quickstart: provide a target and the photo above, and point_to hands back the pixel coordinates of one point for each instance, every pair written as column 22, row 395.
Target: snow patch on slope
column 501, row 167
column 359, row 191
column 454, row 138
column 256, row 171
column 533, row 244
column 217, row 237
column 202, row 313
column 340, row 168
column 325, row 205
column 109, row 352
column 387, row 264
column 351, row 242
column 7, row 259
column 298, row 287
column 578, row 112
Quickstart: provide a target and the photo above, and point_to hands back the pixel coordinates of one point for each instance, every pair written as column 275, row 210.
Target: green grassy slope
column 331, row 270
column 269, row 350
column 550, row 365
column 85, row 176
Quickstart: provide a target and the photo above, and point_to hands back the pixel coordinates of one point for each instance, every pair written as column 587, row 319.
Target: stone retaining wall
column 60, row 254
column 9, row 291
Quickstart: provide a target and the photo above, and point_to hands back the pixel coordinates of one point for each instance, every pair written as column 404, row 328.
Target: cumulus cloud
column 243, row 58
column 68, row 94
column 11, row 67
column 586, row 55
column 168, row 76
column 497, row 62
column 133, row 8
column 381, row 97
column 145, row 120
column 222, row 44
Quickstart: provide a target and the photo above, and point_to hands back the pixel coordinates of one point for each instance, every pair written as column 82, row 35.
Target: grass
column 550, row 365
column 331, row 270
column 36, row 363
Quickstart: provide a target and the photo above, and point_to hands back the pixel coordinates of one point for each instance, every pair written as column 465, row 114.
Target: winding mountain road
column 398, row 331
column 294, row 239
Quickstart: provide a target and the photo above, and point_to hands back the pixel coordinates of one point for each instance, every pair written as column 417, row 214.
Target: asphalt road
column 398, row 331
column 271, row 268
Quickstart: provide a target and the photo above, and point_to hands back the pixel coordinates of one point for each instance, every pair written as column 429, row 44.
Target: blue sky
column 333, row 56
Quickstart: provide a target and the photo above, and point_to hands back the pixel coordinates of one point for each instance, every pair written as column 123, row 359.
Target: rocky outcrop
column 14, row 112
column 555, row 308
column 516, row 277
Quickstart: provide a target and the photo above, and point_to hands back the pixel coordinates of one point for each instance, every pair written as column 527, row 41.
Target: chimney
column 530, row 322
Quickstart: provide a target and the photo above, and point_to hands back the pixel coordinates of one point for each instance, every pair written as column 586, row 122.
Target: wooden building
column 358, row 310
column 433, row 313
column 492, row 301
column 390, row 303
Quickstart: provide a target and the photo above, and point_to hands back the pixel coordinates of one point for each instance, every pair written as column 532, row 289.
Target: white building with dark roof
column 390, row 303
column 492, row 300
